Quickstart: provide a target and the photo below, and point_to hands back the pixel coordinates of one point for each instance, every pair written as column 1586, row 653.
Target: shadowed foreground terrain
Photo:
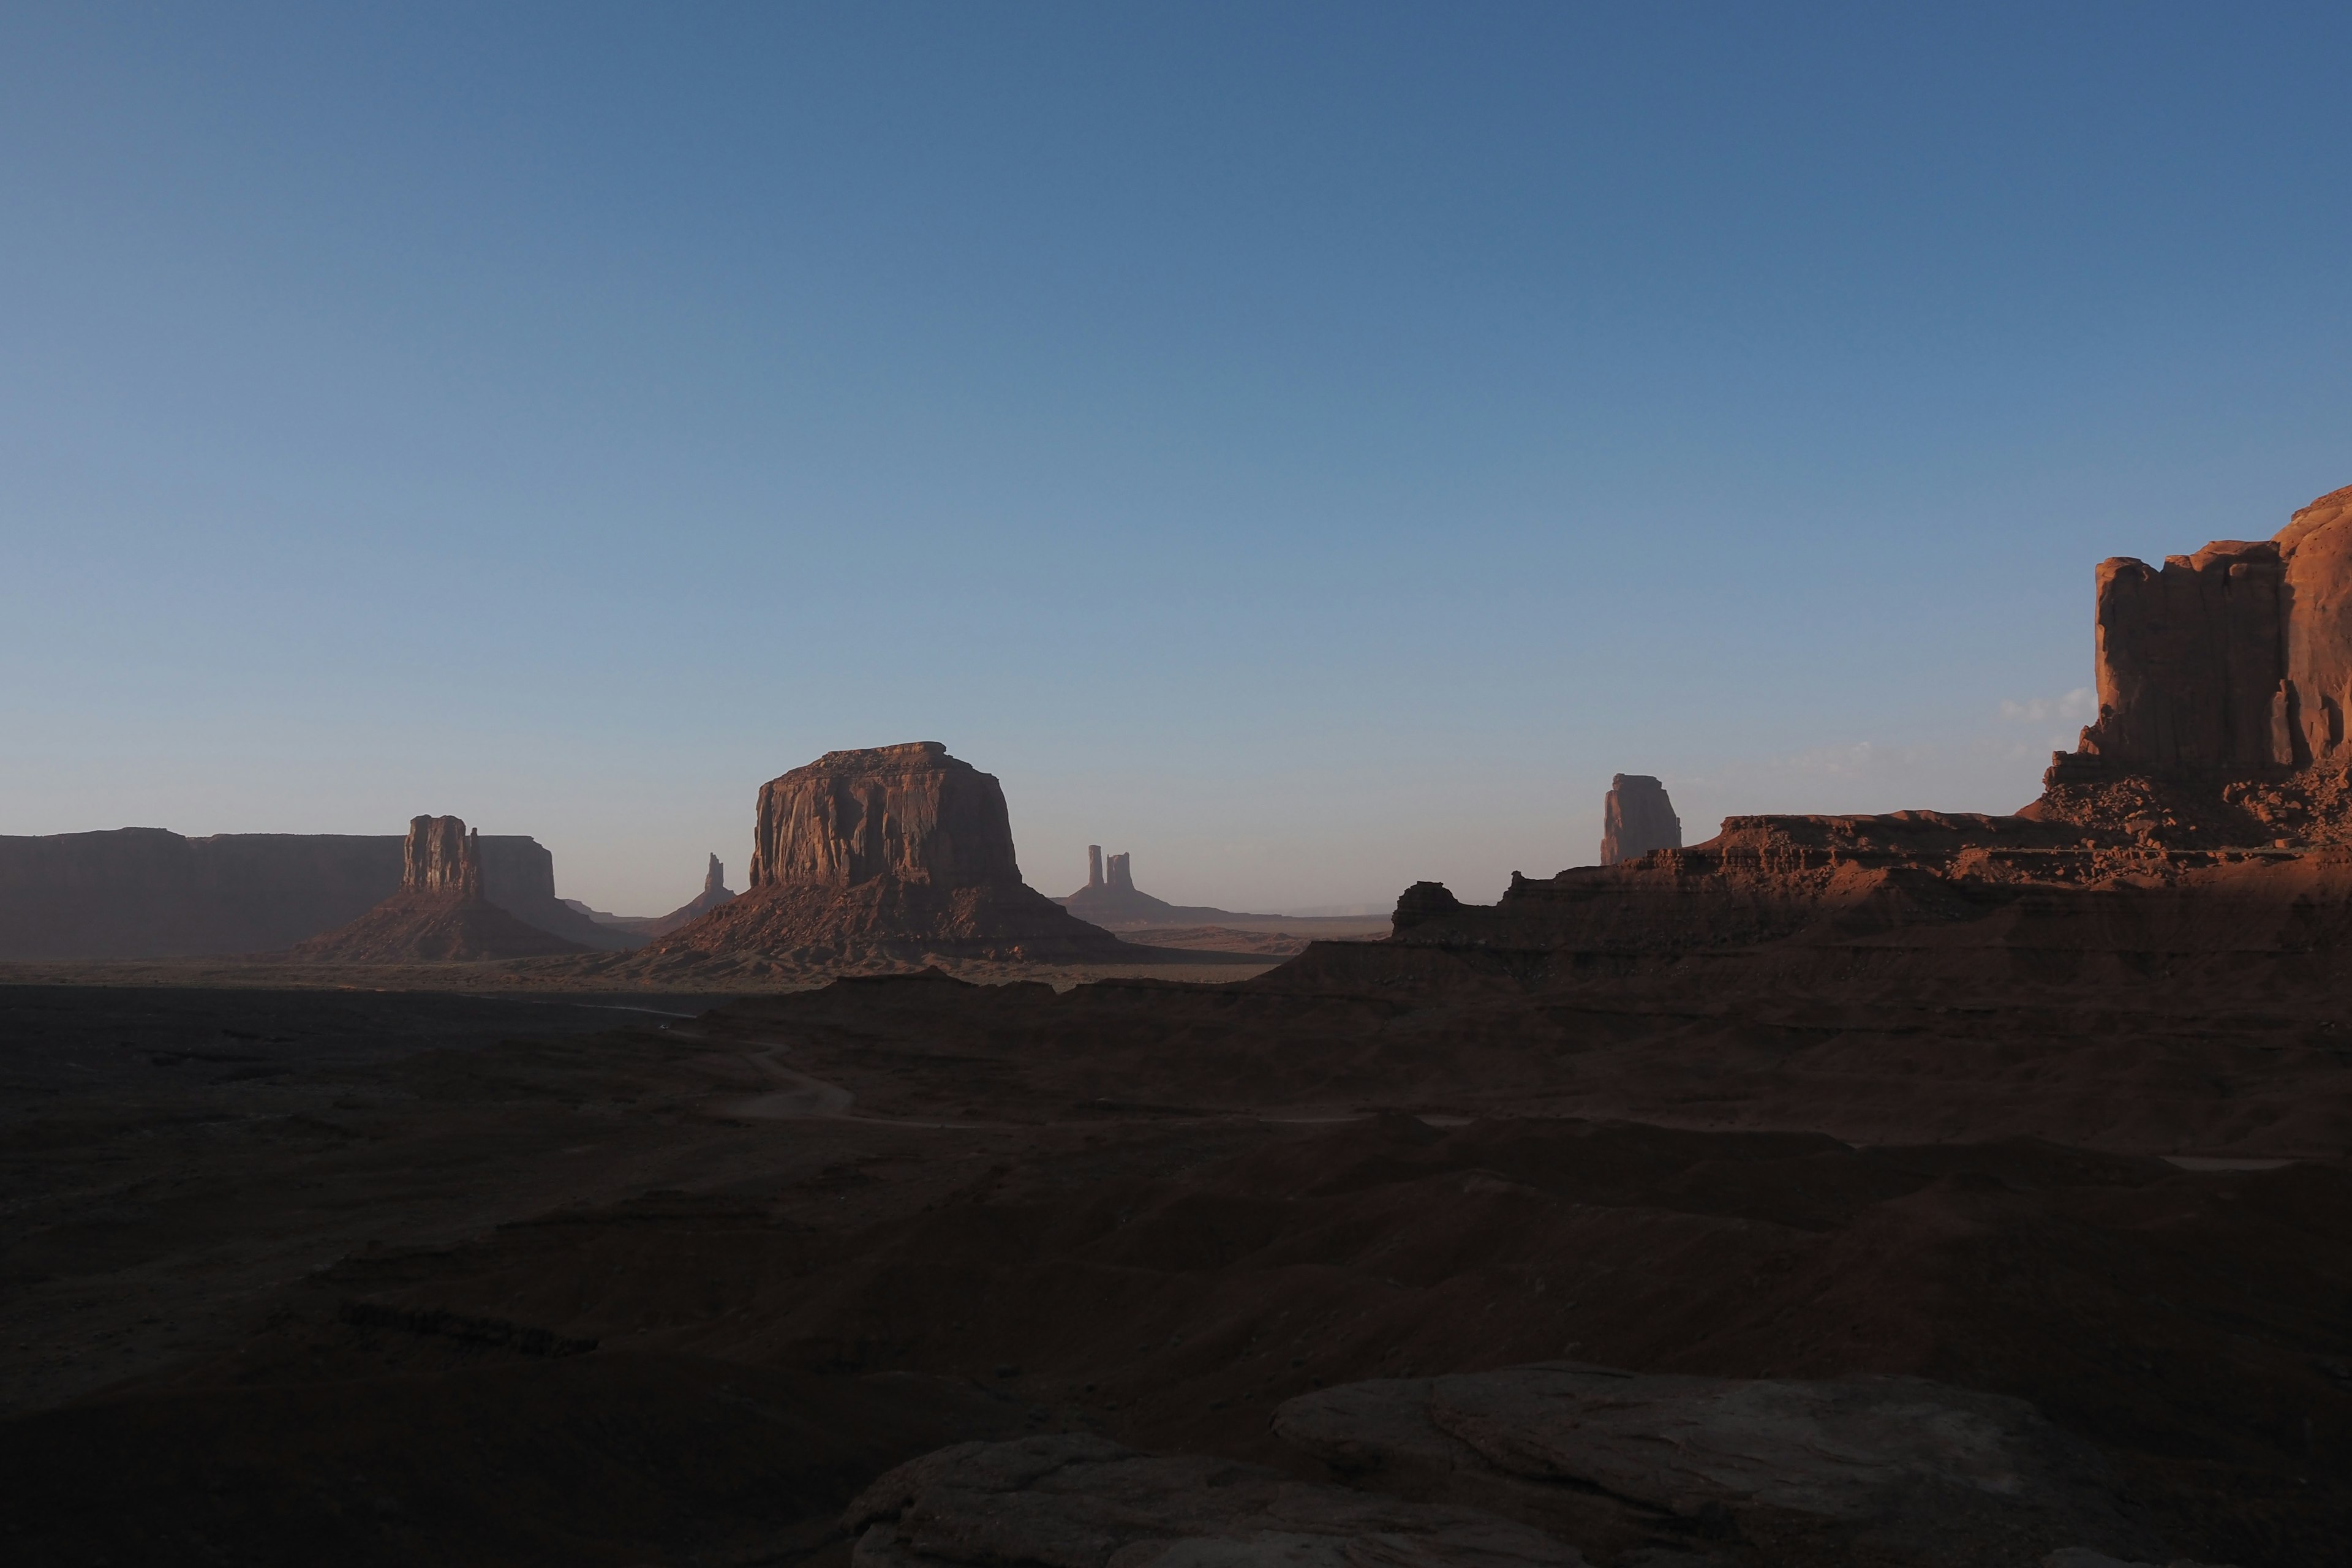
column 295, row 1276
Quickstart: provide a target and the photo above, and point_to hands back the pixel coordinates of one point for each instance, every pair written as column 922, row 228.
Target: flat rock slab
column 1881, row 1470
column 1073, row 1500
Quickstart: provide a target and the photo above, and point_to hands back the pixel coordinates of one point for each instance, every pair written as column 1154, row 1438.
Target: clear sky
column 1310, row 446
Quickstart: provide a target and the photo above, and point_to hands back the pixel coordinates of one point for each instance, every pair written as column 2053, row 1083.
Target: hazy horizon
column 1311, row 449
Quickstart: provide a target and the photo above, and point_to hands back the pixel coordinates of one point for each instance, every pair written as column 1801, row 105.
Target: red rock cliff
column 887, row 854
column 2234, row 660
column 910, row 812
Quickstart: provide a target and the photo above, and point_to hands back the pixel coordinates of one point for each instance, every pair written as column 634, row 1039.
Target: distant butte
column 1635, row 818
column 439, row 914
column 895, row 853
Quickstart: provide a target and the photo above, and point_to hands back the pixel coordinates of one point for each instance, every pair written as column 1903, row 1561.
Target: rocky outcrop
column 1635, row 818
column 2234, row 661
column 440, row 856
column 1890, row 1470
column 894, row 853
column 909, row 813
column 439, row 913
column 146, row 892
column 1916, row 899
column 1075, row 1501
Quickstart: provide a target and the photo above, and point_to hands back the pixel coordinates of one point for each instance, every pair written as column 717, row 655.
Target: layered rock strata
column 894, row 852
column 1949, row 908
column 1635, row 818
column 439, row 915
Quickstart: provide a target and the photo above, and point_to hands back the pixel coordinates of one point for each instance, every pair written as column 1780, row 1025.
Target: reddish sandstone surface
column 2229, row 663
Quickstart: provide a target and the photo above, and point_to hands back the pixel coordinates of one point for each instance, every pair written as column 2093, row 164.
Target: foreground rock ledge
column 1888, row 1470
column 1073, row 1500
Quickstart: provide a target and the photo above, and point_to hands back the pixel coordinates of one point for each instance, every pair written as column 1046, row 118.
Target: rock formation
column 1078, row 1500
column 440, row 856
column 146, row 892
column 1636, row 818
column 2232, row 661
column 1111, row 899
column 715, row 894
column 439, row 914
column 1891, row 1471
column 895, row 853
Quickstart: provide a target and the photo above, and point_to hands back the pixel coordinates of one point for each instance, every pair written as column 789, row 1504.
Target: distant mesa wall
column 1636, row 817
column 2234, row 661
column 147, row 892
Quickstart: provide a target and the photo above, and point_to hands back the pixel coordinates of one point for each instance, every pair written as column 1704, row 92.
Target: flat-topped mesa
column 1635, row 818
column 441, row 857
column 2232, row 662
column 888, row 854
column 911, row 813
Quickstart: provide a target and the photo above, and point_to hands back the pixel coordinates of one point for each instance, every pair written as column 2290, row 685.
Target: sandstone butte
column 1111, row 899
column 2203, row 825
column 891, row 853
column 439, row 915
column 1635, row 818
column 715, row 894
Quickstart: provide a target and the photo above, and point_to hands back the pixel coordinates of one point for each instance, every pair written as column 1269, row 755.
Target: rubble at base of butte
column 439, row 914
column 1635, row 818
column 895, row 853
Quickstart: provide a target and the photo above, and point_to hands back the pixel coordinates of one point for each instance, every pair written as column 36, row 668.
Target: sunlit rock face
column 2235, row 660
column 910, row 812
column 888, row 853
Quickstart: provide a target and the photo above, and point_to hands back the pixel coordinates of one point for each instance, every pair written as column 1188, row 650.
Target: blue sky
column 1309, row 447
